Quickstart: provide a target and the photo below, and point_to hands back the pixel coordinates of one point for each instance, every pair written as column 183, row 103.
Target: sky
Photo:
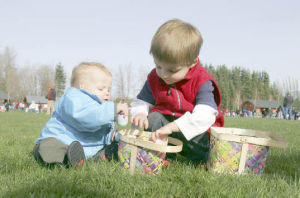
column 259, row 35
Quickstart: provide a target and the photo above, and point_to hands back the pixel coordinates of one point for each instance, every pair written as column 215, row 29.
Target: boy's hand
column 122, row 108
column 164, row 131
column 140, row 120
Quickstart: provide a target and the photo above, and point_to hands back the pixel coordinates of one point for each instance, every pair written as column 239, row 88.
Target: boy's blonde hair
column 176, row 42
column 80, row 73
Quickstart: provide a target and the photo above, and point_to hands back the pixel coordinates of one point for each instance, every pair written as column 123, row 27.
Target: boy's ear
column 194, row 62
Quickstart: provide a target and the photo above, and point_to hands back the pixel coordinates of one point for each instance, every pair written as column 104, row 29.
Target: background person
column 7, row 105
column 287, row 106
column 51, row 100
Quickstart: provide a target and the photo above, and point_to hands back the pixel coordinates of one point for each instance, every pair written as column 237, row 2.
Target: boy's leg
column 156, row 120
column 50, row 151
column 196, row 150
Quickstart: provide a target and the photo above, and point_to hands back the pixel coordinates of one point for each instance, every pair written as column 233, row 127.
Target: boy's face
column 99, row 84
column 169, row 73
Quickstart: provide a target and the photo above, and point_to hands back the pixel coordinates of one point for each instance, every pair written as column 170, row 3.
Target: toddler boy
column 180, row 98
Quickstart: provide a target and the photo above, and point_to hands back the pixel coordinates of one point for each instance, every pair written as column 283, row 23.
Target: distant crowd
column 265, row 113
column 30, row 108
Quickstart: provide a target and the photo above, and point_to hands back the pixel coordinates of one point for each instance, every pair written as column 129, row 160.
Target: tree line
column 18, row 82
column 239, row 84
column 236, row 85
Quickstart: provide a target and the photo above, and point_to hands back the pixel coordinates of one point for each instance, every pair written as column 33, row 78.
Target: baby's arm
column 140, row 107
column 86, row 114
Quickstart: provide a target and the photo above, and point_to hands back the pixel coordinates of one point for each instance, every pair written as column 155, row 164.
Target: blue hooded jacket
column 83, row 117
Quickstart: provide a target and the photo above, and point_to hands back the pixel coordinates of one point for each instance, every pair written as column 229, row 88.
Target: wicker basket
column 239, row 151
column 136, row 152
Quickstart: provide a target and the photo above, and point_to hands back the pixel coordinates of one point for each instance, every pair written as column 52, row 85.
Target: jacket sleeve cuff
column 139, row 106
column 193, row 124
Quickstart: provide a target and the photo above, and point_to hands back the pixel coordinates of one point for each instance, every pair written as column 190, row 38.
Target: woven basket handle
column 151, row 145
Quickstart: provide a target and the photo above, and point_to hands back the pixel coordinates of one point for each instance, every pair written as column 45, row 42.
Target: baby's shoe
column 75, row 154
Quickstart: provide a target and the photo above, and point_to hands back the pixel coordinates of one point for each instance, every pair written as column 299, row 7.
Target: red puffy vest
column 181, row 97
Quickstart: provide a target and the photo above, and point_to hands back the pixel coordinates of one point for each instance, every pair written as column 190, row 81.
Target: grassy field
column 21, row 176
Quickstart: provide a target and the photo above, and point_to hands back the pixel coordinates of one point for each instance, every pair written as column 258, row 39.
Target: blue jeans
column 287, row 111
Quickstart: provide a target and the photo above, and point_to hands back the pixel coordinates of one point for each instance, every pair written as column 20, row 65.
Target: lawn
column 22, row 176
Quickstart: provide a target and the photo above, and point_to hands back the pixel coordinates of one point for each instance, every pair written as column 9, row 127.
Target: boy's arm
column 203, row 115
column 86, row 114
column 143, row 102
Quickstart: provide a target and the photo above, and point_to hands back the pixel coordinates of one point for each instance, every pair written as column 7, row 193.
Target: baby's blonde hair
column 176, row 42
column 80, row 73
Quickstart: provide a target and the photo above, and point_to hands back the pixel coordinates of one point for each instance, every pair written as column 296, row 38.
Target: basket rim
column 248, row 136
column 148, row 144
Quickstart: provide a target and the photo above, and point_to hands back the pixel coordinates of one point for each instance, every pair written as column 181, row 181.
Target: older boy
column 181, row 95
column 82, row 124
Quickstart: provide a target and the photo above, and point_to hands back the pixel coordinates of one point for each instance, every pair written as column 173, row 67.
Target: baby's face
column 99, row 84
column 170, row 74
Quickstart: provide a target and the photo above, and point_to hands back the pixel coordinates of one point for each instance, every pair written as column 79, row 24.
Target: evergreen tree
column 60, row 79
column 254, row 85
column 260, row 86
column 246, row 87
column 266, row 85
column 223, row 78
column 211, row 70
column 237, row 84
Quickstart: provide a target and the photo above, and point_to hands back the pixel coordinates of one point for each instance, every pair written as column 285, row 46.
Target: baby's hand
column 122, row 108
column 140, row 120
column 164, row 131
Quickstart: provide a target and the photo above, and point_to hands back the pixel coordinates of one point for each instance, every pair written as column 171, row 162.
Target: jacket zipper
column 178, row 97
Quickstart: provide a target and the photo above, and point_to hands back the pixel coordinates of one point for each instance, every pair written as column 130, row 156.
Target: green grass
column 22, row 176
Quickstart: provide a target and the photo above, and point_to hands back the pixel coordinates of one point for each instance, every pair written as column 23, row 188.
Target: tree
column 223, row 77
column 60, row 80
column 46, row 77
column 266, row 86
column 124, row 82
column 237, row 83
column 246, row 88
column 8, row 77
column 254, row 85
column 2, row 81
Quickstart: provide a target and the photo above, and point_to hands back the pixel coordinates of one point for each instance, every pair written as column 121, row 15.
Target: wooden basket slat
column 249, row 136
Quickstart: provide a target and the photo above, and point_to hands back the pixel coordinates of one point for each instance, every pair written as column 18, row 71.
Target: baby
column 81, row 126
